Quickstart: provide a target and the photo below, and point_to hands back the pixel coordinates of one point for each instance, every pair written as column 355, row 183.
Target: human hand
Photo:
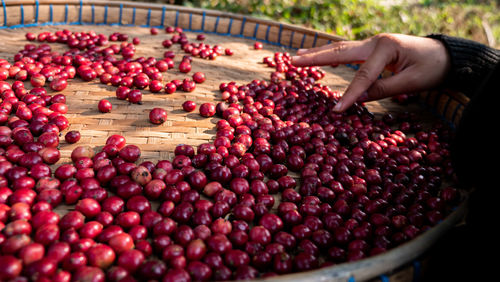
column 418, row 63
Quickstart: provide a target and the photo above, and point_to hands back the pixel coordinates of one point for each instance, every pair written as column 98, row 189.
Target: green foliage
column 357, row 19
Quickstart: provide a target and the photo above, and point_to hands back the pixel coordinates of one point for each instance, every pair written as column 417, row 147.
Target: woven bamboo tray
column 238, row 32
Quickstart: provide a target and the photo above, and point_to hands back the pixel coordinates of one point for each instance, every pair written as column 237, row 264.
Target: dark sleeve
column 475, row 71
column 471, row 63
column 474, row 150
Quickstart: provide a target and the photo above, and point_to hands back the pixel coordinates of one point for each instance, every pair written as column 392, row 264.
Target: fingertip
column 301, row 51
column 295, row 60
column 339, row 106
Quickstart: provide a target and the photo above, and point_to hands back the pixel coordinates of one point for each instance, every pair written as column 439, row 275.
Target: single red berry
column 135, row 96
column 58, row 84
column 199, row 77
column 158, row 116
column 170, row 87
column 104, row 106
column 189, row 106
column 207, row 110
column 185, row 66
column 72, row 136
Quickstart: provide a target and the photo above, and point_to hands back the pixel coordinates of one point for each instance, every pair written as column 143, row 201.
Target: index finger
column 317, row 49
column 342, row 52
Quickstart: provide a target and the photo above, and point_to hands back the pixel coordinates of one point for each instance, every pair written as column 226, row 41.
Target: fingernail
column 337, row 106
column 363, row 97
column 301, row 50
column 294, row 58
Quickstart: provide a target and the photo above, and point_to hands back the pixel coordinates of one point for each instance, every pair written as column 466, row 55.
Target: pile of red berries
column 286, row 186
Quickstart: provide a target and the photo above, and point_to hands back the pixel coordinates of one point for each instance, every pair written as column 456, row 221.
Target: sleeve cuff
column 471, row 62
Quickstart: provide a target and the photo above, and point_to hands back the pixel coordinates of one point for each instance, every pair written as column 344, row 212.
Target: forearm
column 471, row 63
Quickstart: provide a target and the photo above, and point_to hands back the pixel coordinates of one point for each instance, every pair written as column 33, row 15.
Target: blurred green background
column 358, row 19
